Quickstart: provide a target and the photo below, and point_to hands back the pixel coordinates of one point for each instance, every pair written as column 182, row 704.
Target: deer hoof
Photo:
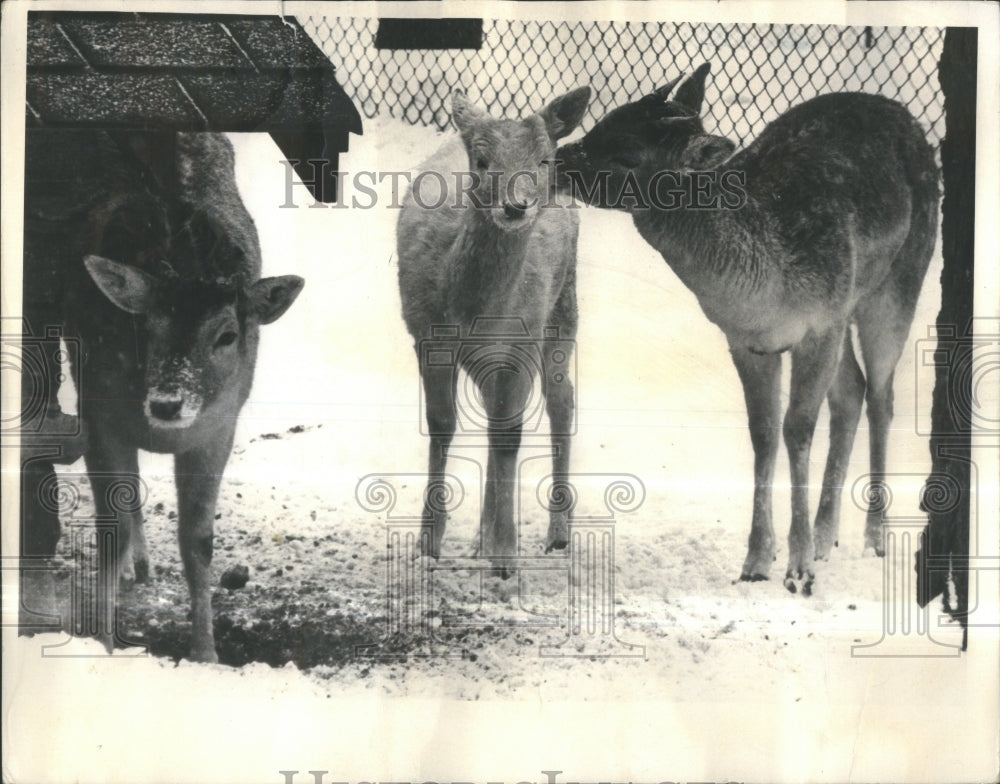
column 503, row 572
column 428, row 549
column 558, row 534
column 873, row 541
column 126, row 576
column 873, row 544
column 824, row 547
column 204, row 655
column 38, row 602
column 757, row 566
column 141, row 566
column 557, row 544
column 108, row 641
column 794, row 577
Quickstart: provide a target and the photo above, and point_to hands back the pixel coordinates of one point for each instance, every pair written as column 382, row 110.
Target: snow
column 739, row 680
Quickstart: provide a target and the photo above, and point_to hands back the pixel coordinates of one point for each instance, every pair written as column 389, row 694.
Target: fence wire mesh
column 758, row 71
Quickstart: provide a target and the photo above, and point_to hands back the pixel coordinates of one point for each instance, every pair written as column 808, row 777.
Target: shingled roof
column 192, row 72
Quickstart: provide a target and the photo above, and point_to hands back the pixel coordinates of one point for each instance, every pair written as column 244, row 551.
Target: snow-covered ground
column 738, row 680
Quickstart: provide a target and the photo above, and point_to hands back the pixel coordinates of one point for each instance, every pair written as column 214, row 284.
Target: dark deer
column 828, row 218
column 159, row 265
column 485, row 241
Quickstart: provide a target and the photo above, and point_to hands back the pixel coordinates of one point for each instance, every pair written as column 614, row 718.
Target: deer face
column 201, row 337
column 510, row 160
column 635, row 141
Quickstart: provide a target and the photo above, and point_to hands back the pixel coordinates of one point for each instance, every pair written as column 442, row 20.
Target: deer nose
column 514, row 210
column 166, row 409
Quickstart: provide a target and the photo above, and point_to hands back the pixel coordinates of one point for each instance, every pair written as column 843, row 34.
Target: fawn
column 159, row 266
column 486, row 241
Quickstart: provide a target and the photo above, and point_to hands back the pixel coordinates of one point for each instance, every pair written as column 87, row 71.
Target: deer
column 159, row 265
column 487, row 240
column 827, row 219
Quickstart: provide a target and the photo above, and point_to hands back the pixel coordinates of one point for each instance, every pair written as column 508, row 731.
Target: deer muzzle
column 172, row 397
column 171, row 409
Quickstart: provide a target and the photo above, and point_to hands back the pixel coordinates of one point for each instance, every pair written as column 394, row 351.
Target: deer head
column 511, row 159
column 200, row 335
column 635, row 141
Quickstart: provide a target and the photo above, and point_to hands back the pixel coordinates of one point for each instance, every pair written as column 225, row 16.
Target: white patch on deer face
column 174, row 403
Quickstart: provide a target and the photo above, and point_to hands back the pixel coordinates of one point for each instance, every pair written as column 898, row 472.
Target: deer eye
column 227, row 338
column 482, row 163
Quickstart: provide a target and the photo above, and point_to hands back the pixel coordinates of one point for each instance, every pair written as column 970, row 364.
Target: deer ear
column 129, row 288
column 692, row 92
column 661, row 94
column 464, row 113
column 565, row 112
column 706, row 151
column 271, row 297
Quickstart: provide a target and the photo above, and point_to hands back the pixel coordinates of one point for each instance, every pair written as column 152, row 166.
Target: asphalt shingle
column 190, row 72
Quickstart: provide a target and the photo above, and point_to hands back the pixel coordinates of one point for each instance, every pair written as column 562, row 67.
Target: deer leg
column 505, row 393
column 559, row 401
column 880, row 402
column 880, row 348
column 439, row 396
column 814, row 363
column 113, row 468
column 198, row 474
column 845, row 397
column 884, row 321
column 140, row 551
column 761, row 378
column 40, row 532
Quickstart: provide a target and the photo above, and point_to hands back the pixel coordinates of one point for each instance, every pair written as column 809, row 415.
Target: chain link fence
column 758, row 71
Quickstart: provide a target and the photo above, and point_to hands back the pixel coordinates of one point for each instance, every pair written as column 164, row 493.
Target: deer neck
column 715, row 251
column 488, row 264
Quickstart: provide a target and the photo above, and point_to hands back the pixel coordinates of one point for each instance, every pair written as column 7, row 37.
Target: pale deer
column 827, row 219
column 159, row 264
column 484, row 240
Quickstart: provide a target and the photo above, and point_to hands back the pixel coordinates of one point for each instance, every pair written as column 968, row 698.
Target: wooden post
column 944, row 549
